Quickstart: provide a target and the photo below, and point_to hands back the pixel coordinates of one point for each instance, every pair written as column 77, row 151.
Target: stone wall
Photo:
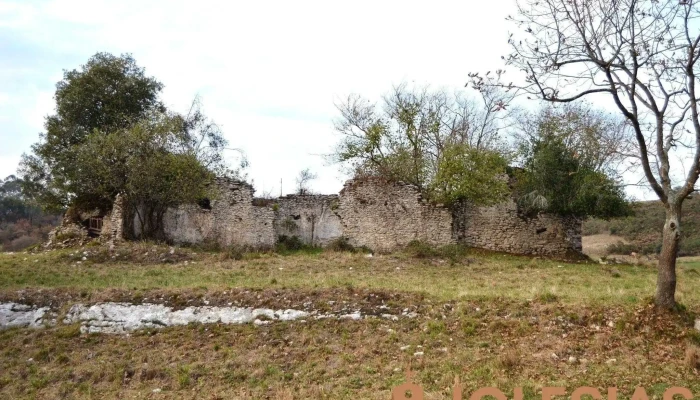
column 385, row 216
column 113, row 222
column 232, row 219
column 503, row 228
column 368, row 212
column 308, row 217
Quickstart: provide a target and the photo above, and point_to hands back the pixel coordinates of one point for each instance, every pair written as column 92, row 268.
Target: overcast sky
column 268, row 72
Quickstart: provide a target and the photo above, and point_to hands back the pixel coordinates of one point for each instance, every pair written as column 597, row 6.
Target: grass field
column 492, row 320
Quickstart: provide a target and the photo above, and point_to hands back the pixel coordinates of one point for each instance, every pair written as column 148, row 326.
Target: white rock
column 354, row 316
column 697, row 324
column 124, row 317
column 572, row 359
column 390, row 316
column 20, row 315
column 418, row 353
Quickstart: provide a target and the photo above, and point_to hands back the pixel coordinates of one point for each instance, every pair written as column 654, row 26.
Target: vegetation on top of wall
column 434, row 140
column 554, row 179
column 102, row 142
column 569, row 157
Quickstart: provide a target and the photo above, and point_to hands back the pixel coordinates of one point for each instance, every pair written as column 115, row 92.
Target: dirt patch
column 596, row 246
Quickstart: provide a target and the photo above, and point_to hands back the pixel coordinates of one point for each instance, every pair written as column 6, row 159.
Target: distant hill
column 643, row 229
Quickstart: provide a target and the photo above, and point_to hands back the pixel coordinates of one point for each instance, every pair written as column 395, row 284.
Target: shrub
column 293, row 244
column 419, row 249
column 21, row 243
column 232, row 253
column 340, row 244
column 290, row 243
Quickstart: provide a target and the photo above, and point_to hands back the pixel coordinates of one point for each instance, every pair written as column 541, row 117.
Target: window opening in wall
column 205, row 203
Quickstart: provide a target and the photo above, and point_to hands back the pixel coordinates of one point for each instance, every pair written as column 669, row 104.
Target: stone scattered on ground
column 124, row 317
column 20, row 315
column 120, row 318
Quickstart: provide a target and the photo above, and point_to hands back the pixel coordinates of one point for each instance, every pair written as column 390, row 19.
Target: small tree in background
column 572, row 157
column 303, row 181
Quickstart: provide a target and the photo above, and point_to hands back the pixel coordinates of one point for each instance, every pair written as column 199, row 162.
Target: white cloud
column 8, row 165
column 268, row 72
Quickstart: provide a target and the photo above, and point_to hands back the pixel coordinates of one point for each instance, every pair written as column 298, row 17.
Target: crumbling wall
column 113, row 222
column 503, row 228
column 231, row 220
column 384, row 216
column 372, row 212
column 308, row 217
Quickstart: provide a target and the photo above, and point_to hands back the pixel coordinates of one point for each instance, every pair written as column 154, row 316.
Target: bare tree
column 641, row 54
column 601, row 140
column 303, row 179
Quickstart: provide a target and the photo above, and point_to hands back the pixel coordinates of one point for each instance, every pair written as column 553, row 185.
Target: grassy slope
column 643, row 229
column 493, row 320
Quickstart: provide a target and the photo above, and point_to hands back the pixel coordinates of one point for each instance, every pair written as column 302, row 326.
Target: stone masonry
column 232, row 219
column 385, row 216
column 371, row 212
column 311, row 218
column 503, row 228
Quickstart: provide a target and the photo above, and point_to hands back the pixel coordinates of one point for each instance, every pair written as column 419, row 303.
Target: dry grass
column 473, row 276
column 531, row 347
column 692, row 356
column 492, row 320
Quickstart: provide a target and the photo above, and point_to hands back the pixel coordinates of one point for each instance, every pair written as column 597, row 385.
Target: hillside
column 643, row 229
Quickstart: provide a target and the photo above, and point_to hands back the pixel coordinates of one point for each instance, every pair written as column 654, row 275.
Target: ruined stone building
column 371, row 212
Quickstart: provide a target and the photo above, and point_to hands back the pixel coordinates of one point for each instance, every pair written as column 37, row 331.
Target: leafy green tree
column 468, row 173
column 13, row 204
column 111, row 135
column 426, row 138
column 108, row 93
column 151, row 163
column 557, row 179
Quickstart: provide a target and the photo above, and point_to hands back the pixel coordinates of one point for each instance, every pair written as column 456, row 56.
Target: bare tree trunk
column 666, row 281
